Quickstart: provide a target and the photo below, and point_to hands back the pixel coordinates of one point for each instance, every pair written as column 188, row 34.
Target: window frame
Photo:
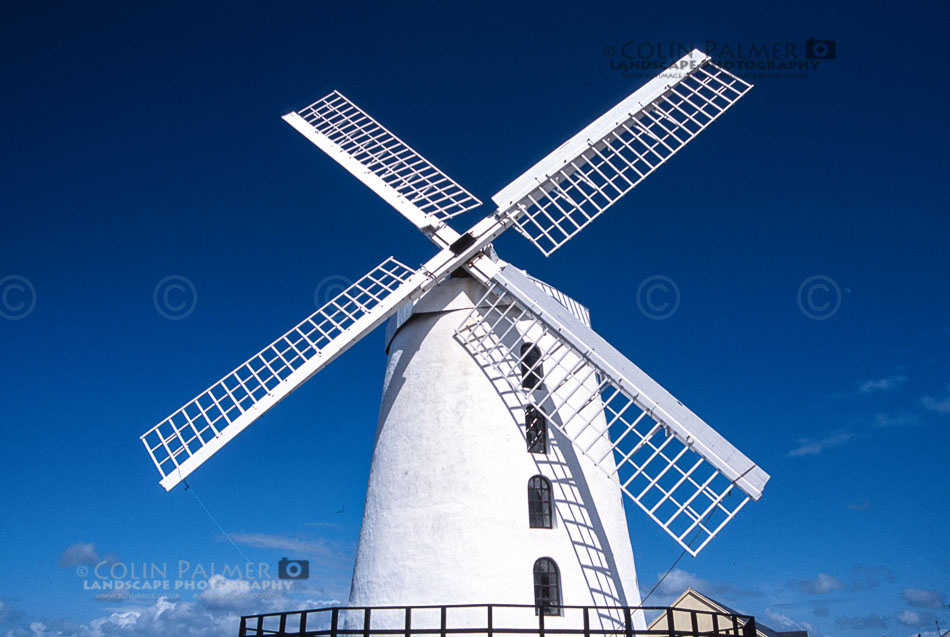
column 537, row 443
column 550, row 605
column 532, row 369
column 540, row 496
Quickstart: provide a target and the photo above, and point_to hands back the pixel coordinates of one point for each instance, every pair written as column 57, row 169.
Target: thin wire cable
column 675, row 562
column 220, row 528
column 660, row 581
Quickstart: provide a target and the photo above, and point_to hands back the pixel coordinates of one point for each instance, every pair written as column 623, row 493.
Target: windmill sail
column 405, row 179
column 572, row 186
column 664, row 457
column 191, row 435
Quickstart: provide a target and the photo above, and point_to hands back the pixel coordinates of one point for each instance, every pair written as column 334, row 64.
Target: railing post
column 735, row 626
column 586, row 621
column 242, row 631
column 694, row 620
column 715, row 624
column 260, row 625
column 490, row 620
column 282, row 630
column 334, row 620
column 366, row 620
column 303, row 623
column 541, row 621
column 408, row 620
column 627, row 622
column 670, row 627
column 442, row 622
column 749, row 629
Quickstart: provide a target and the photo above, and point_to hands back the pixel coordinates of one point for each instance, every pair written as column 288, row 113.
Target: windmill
column 495, row 381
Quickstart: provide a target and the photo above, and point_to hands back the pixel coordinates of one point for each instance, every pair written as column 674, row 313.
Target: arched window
column 536, row 430
column 531, row 371
column 547, row 587
column 539, row 503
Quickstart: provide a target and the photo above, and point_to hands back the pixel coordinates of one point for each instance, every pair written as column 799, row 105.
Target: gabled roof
column 692, row 594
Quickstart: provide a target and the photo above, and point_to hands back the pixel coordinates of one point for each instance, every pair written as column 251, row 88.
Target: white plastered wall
column 446, row 513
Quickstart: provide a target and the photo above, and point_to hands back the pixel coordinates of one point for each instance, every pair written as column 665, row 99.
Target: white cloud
column 678, row 581
column 46, row 628
column 882, row 421
column 216, row 611
column 913, row 619
column 280, row 542
column 778, row 620
column 331, row 525
column 210, row 615
column 939, row 406
column 881, row 384
column 822, row 584
column 870, row 577
column 812, row 446
column 8, row 615
column 863, row 623
column 228, row 594
column 923, row 598
column 79, row 554
column 164, row 617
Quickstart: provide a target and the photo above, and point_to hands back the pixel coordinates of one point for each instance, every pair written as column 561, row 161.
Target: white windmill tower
column 508, row 428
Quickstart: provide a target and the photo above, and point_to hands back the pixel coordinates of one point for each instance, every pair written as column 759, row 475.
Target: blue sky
column 141, row 144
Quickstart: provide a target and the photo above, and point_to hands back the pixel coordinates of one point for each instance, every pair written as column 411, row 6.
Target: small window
column 536, row 430
column 531, row 371
column 539, row 503
column 547, row 587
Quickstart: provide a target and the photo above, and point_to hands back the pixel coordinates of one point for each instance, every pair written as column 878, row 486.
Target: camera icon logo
column 293, row 569
column 820, row 49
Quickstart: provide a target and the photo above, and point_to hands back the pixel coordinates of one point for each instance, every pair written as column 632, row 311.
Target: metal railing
column 497, row 619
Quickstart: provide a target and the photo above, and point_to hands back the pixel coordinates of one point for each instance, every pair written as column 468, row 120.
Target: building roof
column 691, row 597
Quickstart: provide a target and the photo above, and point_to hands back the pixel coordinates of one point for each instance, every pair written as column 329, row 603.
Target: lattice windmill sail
column 587, row 174
column 394, row 171
column 661, row 455
column 197, row 430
